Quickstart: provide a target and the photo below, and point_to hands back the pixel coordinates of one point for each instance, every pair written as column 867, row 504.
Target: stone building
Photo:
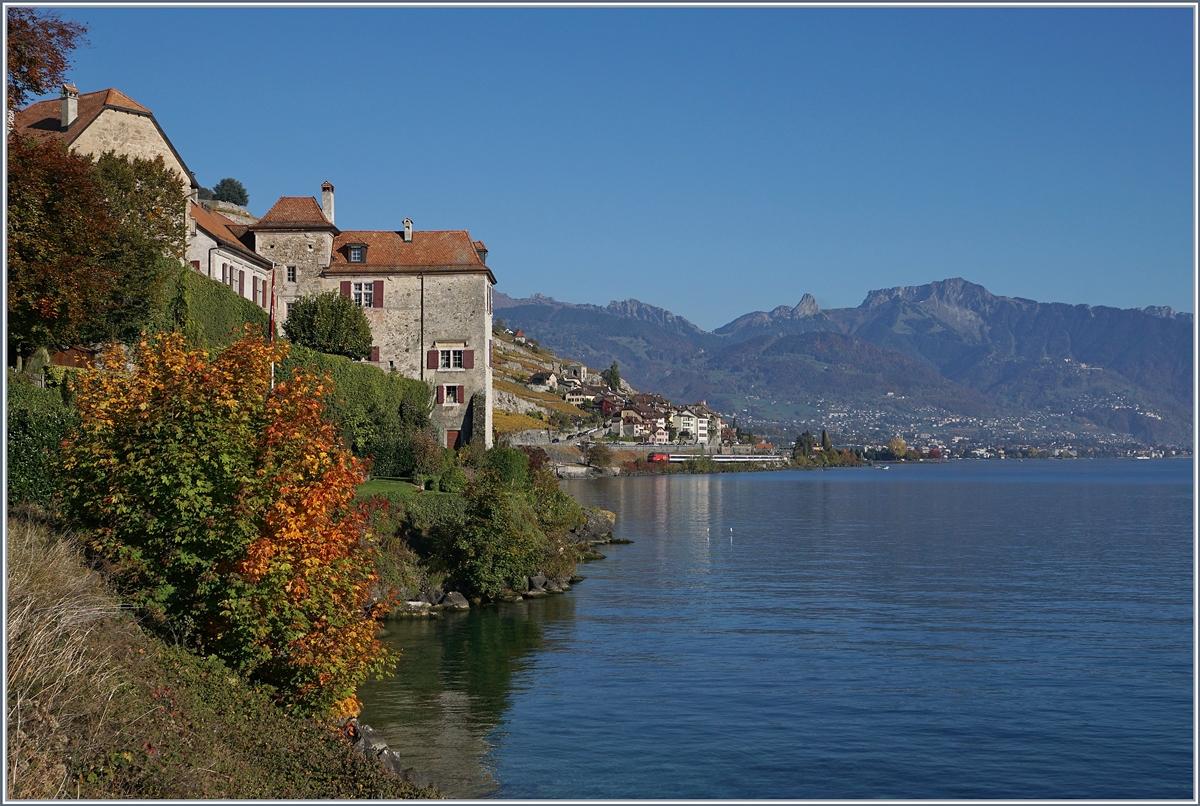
column 215, row 249
column 106, row 120
column 427, row 295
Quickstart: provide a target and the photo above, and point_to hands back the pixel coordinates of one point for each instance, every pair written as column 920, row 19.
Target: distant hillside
column 950, row 344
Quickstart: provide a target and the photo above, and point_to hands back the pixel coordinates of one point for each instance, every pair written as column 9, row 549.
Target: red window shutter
column 468, row 359
column 196, row 265
column 241, row 283
column 374, row 353
column 461, row 398
column 431, row 359
column 441, row 394
column 345, row 288
column 377, row 297
column 254, row 288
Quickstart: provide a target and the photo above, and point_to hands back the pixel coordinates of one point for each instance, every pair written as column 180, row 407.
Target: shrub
column 330, row 323
column 510, row 465
column 224, row 507
column 497, row 542
column 208, row 312
column 452, row 480
column 37, row 422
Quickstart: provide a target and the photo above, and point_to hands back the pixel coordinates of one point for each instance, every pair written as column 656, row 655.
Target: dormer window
column 357, row 253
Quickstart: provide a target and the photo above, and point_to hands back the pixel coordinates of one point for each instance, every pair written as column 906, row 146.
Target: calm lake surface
column 965, row 630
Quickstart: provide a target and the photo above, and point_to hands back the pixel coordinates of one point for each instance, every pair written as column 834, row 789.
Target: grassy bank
column 98, row 708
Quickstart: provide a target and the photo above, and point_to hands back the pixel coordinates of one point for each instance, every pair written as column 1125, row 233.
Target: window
column 291, row 274
column 356, row 254
column 450, row 359
column 451, row 395
column 290, row 305
column 363, row 294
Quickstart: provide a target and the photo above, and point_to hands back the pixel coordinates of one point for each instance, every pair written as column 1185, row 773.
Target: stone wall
column 130, row 135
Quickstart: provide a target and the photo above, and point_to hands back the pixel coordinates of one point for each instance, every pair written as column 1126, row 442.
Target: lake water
column 961, row 630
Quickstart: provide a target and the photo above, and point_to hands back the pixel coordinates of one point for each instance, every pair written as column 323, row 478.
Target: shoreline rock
column 369, row 742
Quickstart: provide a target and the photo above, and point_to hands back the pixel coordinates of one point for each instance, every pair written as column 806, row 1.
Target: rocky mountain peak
column 955, row 292
column 807, row 306
column 636, row 309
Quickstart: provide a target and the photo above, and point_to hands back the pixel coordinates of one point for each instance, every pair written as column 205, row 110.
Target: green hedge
column 377, row 411
column 38, row 420
column 211, row 314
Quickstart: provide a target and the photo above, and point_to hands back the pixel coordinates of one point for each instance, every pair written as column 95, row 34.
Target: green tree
column 826, row 445
column 232, row 191
column 612, row 377
column 598, row 455
column 330, row 323
column 39, row 47
column 510, row 465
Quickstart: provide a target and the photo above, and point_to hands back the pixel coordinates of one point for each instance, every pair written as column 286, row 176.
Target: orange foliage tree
column 226, row 511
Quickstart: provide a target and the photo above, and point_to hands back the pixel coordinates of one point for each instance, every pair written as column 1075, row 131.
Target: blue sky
column 709, row 161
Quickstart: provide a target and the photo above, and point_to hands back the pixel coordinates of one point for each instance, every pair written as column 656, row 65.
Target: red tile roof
column 387, row 251
column 225, row 232
column 43, row 120
column 294, row 212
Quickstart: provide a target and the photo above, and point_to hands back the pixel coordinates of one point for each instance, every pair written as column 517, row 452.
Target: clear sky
column 709, row 161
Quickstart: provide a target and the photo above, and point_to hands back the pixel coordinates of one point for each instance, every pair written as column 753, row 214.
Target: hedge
column 37, row 421
column 377, row 411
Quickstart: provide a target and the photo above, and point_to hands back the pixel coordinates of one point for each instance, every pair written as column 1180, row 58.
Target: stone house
column 215, row 249
column 96, row 122
column 426, row 294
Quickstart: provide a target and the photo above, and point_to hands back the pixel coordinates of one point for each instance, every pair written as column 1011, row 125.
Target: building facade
column 426, row 294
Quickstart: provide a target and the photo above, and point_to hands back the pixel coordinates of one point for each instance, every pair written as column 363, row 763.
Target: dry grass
column 508, row 422
column 97, row 708
column 61, row 680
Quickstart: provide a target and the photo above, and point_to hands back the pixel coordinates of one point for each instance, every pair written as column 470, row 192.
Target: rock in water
column 456, row 601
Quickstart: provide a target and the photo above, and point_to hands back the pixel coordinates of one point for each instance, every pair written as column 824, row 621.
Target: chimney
column 70, row 105
column 408, row 230
column 327, row 200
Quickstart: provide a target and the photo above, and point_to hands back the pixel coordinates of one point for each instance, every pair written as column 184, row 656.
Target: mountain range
column 949, row 346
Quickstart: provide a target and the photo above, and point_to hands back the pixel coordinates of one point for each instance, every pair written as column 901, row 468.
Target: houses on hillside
column 426, row 294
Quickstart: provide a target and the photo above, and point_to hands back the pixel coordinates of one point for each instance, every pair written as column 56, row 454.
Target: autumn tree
column 224, row 508
column 898, row 448
column 330, row 323
column 86, row 243
column 39, row 48
column 59, row 236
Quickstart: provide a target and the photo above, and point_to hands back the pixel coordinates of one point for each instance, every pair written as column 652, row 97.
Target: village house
column 215, row 250
column 96, row 122
column 426, row 294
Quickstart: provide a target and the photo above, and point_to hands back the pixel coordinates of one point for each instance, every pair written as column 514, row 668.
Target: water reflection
column 454, row 681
